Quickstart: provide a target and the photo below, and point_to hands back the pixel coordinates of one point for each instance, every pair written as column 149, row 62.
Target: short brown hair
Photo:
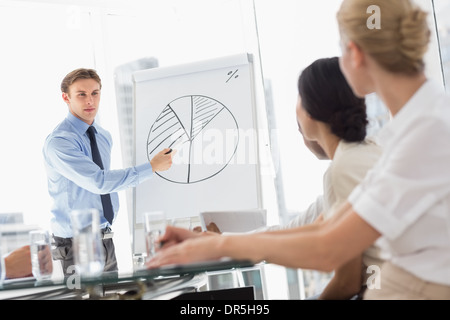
column 77, row 74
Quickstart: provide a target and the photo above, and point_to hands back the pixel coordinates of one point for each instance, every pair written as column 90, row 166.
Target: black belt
column 106, row 233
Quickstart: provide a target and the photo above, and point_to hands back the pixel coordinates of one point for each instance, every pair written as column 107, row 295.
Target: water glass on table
column 87, row 243
column 155, row 226
column 41, row 255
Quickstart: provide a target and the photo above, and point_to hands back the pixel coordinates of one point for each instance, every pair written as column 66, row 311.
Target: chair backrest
column 235, row 221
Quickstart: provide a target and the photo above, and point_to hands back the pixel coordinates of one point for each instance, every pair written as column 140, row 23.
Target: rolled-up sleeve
column 412, row 175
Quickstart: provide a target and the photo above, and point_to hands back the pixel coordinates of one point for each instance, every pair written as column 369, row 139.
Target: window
column 442, row 14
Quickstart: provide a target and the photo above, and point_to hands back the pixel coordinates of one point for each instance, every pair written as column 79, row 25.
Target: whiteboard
column 207, row 109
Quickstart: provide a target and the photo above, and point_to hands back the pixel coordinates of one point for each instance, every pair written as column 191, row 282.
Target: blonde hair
column 399, row 45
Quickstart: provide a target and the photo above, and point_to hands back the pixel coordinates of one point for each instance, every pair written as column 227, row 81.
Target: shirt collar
column 414, row 107
column 79, row 125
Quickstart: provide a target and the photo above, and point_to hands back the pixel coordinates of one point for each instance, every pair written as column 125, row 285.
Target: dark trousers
column 64, row 253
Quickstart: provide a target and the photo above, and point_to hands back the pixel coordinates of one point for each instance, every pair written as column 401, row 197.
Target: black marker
column 175, row 147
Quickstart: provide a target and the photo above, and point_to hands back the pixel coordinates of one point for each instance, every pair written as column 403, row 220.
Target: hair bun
column 415, row 37
column 399, row 46
column 350, row 122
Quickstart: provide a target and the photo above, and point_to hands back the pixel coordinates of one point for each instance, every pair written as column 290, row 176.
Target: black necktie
column 106, row 198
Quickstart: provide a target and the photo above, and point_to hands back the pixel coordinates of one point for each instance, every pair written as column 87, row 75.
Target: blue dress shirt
column 75, row 181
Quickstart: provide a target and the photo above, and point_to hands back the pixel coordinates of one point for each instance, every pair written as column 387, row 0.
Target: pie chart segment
column 205, row 132
column 163, row 130
column 204, row 110
column 217, row 145
column 182, row 108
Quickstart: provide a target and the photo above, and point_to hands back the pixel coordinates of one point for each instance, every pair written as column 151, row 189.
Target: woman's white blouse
column 406, row 196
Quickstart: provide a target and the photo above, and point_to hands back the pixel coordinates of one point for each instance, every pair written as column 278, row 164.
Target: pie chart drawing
column 184, row 123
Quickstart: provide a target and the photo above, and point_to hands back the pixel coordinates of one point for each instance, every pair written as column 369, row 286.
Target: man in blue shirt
column 75, row 181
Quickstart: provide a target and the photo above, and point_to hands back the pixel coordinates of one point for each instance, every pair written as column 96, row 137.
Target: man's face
column 83, row 99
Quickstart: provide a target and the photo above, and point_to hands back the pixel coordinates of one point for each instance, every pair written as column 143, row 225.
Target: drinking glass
column 41, row 254
column 155, row 226
column 87, row 242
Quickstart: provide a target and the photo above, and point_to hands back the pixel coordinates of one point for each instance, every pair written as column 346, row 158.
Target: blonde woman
column 403, row 204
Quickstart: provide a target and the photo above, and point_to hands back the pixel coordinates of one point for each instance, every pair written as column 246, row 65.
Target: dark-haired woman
column 329, row 113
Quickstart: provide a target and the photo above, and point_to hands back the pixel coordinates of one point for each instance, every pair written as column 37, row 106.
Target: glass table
column 143, row 284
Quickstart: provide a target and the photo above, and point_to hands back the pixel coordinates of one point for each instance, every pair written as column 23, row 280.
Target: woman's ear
column 356, row 54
